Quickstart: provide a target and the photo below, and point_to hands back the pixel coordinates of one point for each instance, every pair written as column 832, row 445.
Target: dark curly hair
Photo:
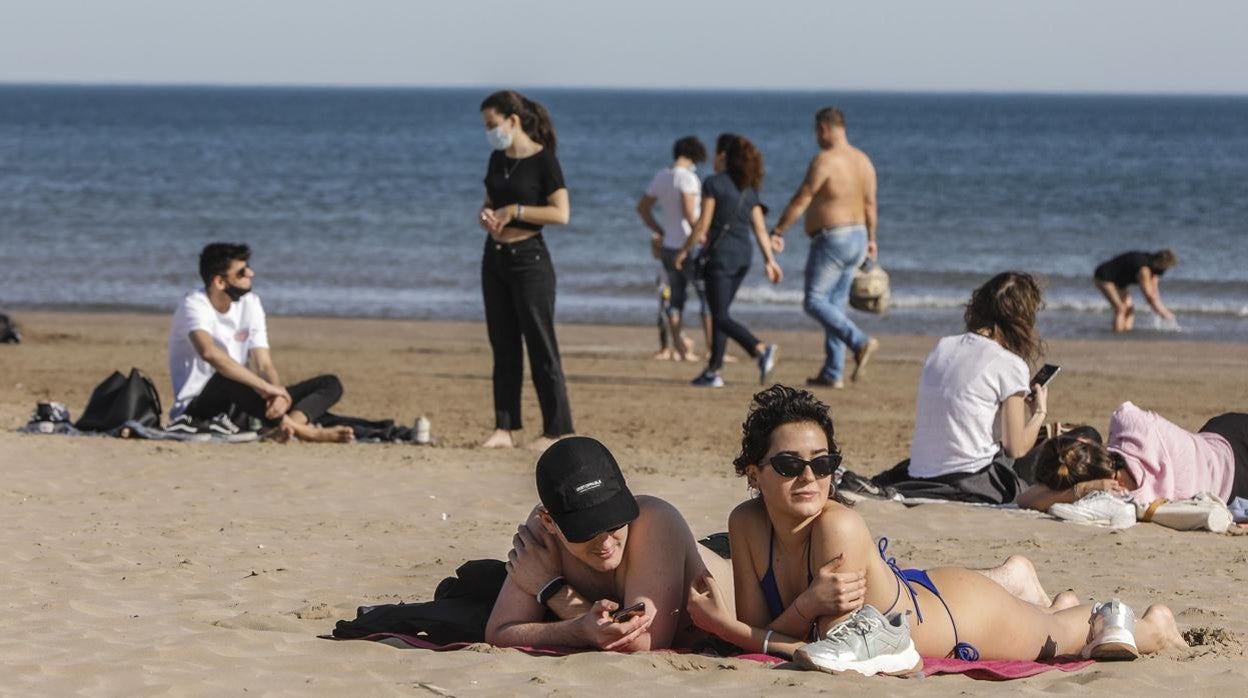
column 1006, row 306
column 742, row 161
column 771, row 409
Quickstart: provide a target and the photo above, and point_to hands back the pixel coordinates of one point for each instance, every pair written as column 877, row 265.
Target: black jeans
column 312, row 397
column 721, row 288
column 518, row 283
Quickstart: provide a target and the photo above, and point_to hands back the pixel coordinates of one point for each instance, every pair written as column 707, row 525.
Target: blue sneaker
column 767, row 362
column 708, row 379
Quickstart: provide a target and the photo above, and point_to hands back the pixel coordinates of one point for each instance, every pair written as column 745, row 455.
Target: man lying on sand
column 591, row 549
column 217, row 333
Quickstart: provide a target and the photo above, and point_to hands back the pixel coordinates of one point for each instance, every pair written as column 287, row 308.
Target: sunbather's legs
column 1002, row 626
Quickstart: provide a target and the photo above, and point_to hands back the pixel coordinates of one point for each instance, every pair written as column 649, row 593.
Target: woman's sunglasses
column 787, row 465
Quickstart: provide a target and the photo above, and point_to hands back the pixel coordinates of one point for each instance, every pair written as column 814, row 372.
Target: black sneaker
column 857, row 484
column 221, row 425
column 184, row 424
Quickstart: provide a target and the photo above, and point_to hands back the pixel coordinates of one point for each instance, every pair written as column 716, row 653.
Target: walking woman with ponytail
column 524, row 191
column 731, row 219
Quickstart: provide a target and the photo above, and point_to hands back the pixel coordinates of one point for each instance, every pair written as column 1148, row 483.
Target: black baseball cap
column 582, row 489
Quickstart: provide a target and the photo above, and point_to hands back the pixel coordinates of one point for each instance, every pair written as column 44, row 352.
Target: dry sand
column 137, row 568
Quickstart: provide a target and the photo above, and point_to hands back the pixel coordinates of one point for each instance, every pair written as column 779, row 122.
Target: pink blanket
column 991, row 670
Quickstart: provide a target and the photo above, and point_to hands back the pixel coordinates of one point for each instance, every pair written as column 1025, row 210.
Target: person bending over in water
column 1147, row 456
column 1145, row 268
column 800, row 523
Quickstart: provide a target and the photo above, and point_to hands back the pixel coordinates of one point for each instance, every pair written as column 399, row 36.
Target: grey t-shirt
column 731, row 236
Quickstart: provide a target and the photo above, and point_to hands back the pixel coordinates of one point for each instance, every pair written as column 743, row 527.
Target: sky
column 1107, row 46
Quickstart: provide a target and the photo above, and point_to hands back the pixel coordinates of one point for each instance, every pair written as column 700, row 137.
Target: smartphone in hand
column 626, row 614
column 1044, row 375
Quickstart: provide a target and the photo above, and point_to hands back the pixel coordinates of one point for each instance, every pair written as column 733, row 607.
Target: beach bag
column 460, row 609
column 870, row 289
column 1204, row 512
column 120, row 399
column 704, row 258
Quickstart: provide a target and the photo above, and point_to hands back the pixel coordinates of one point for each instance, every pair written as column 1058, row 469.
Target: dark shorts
column 1233, row 426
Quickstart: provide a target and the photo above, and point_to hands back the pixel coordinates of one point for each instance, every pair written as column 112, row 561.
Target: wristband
column 767, row 641
column 519, row 212
column 548, row 591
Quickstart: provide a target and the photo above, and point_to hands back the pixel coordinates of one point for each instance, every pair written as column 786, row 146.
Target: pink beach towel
column 992, row 670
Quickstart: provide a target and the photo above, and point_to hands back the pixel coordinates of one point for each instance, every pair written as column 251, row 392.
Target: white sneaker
column 1099, row 507
column 1112, row 632
column 867, row 642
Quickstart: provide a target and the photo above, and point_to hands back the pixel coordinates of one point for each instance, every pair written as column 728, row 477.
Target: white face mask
column 498, row 138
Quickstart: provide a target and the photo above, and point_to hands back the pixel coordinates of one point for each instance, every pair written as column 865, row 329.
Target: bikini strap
column 892, row 563
column 771, row 546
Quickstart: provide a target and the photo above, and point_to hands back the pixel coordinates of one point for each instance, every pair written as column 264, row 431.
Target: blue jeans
column 835, row 253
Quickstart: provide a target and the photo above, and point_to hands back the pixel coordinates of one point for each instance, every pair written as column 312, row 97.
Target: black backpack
column 120, row 399
column 9, row 334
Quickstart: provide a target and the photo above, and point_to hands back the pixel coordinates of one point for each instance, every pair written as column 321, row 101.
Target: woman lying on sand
column 800, row 523
column 1147, row 456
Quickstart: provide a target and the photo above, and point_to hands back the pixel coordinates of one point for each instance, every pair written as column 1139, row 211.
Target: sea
column 363, row 202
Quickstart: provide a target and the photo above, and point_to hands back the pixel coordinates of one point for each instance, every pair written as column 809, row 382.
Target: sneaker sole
column 907, row 663
column 1114, row 652
column 1117, row 644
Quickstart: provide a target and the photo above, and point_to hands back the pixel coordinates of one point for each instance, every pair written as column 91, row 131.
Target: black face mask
column 234, row 292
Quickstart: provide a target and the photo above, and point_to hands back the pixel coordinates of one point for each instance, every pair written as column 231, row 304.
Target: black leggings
column 1233, row 426
column 312, row 397
column 518, row 282
column 721, row 288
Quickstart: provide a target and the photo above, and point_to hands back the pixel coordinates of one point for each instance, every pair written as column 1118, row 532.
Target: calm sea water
column 362, row 202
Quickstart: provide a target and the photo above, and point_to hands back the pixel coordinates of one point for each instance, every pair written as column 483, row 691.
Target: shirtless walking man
column 838, row 198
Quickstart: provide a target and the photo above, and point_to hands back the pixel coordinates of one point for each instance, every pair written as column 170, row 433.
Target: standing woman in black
column 524, row 191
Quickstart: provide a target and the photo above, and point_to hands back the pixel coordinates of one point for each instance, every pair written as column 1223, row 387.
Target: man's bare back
column 843, row 180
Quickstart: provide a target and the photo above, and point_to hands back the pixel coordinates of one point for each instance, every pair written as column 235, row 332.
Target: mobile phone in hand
column 626, row 614
column 1044, row 375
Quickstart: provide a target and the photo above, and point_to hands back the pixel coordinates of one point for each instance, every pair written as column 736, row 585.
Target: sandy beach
column 143, row 568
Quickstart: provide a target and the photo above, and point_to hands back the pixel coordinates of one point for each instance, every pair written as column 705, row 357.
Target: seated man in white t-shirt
column 220, row 363
column 678, row 193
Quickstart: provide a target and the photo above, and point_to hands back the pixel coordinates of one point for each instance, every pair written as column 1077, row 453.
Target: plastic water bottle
column 422, row 430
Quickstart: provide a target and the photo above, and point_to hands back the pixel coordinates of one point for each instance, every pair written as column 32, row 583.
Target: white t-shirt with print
column 238, row 330
column 669, row 187
column 957, row 421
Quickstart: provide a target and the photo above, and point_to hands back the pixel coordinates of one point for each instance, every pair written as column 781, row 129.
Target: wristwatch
column 552, row 587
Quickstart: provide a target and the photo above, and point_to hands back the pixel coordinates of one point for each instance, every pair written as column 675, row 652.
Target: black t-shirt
column 730, row 238
column 1124, row 269
column 528, row 181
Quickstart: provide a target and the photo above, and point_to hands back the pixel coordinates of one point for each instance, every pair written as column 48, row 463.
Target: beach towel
column 992, row 670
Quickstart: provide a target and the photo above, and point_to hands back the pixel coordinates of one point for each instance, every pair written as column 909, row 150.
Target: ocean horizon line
column 621, row 89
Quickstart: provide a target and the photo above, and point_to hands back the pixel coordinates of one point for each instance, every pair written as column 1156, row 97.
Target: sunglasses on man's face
column 788, row 465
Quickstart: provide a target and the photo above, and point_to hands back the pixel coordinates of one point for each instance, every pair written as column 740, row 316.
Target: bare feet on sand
column 862, row 356
column 688, row 354
column 663, row 354
column 328, row 435
column 501, row 438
